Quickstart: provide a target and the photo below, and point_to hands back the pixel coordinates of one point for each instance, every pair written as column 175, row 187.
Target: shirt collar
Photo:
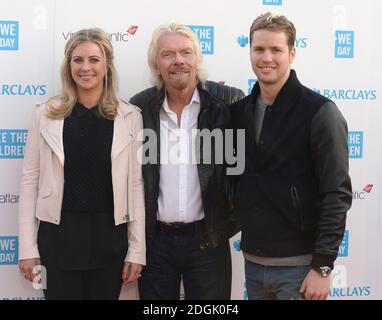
column 80, row 110
column 195, row 98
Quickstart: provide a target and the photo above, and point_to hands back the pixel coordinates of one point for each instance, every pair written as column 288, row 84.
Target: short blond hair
column 274, row 22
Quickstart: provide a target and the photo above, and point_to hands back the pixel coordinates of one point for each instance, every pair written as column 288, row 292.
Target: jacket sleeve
column 28, row 223
column 136, row 232
column 329, row 150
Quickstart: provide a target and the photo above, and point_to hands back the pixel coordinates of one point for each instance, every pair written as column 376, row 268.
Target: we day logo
column 9, row 250
column 344, row 44
column 9, row 35
column 343, row 250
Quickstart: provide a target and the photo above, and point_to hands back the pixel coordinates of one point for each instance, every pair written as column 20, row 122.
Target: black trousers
column 172, row 258
column 97, row 284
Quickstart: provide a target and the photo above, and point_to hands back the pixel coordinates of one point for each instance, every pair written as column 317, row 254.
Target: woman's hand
column 131, row 272
column 27, row 268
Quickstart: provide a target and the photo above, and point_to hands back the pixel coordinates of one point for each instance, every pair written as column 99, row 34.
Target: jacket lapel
column 52, row 134
column 122, row 134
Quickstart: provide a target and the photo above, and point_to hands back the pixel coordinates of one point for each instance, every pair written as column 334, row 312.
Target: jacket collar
column 204, row 97
column 287, row 95
column 79, row 111
column 125, row 108
column 52, row 134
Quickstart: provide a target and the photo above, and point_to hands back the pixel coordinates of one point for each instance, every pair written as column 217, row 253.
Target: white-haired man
column 189, row 215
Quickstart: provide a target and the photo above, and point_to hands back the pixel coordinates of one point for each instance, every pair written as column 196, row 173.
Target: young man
column 189, row 217
column 295, row 191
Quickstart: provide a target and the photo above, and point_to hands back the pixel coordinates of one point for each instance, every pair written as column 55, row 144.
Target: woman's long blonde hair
column 61, row 106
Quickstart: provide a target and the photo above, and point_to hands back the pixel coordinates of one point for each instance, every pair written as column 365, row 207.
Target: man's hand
column 315, row 287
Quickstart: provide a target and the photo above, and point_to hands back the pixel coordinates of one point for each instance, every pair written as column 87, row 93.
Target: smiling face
column 88, row 68
column 271, row 57
column 176, row 61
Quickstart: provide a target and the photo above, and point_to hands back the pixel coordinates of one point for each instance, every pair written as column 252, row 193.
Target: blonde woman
column 81, row 211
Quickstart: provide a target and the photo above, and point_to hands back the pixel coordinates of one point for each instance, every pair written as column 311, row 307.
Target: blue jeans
column 206, row 273
column 274, row 282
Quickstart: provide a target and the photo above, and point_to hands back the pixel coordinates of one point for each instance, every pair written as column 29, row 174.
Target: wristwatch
column 324, row 272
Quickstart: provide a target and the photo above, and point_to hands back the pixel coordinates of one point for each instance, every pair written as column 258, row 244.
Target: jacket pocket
column 130, row 217
column 127, row 218
column 297, row 206
column 44, row 192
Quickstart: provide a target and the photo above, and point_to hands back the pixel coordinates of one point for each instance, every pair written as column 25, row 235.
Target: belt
column 178, row 228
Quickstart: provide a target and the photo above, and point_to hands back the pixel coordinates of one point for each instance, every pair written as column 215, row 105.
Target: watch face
column 325, row 271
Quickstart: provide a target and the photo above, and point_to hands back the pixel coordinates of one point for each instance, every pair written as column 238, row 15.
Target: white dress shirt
column 180, row 197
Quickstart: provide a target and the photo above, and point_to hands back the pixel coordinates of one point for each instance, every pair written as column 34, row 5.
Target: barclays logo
column 206, row 37
column 9, row 254
column 272, row 2
column 9, row 35
column 343, row 250
column 348, row 94
column 12, row 143
column 22, row 90
column 363, row 291
column 242, row 40
column 344, row 44
column 355, row 144
column 236, row 245
column 301, row 42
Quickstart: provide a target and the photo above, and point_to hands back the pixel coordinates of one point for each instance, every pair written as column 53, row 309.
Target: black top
column 87, row 140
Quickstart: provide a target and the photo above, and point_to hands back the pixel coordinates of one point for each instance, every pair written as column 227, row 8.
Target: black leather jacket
column 221, row 222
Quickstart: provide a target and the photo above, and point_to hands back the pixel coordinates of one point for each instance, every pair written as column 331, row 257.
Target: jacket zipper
column 297, row 205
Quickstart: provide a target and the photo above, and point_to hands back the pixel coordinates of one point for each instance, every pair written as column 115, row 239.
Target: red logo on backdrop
column 368, row 188
column 132, row 30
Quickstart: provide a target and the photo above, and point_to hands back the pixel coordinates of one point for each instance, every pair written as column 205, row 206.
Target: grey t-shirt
column 303, row 260
column 259, row 117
